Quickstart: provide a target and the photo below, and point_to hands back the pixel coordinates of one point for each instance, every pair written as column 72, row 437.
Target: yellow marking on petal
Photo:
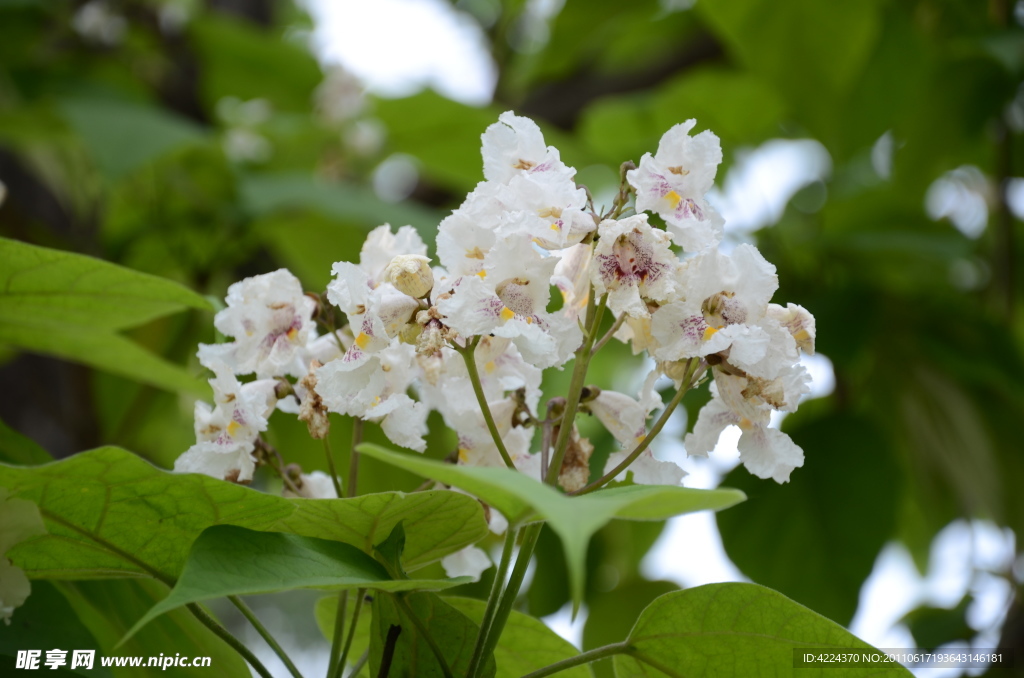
column 475, row 253
column 524, row 164
column 640, row 438
column 463, row 455
column 709, row 332
column 490, row 367
column 376, row 401
column 292, row 333
column 233, row 428
column 678, row 169
column 362, row 340
column 746, row 424
column 802, row 335
column 507, row 313
column 482, row 273
column 529, row 320
column 673, row 199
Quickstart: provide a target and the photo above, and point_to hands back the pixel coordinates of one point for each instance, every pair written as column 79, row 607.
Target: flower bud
column 411, row 274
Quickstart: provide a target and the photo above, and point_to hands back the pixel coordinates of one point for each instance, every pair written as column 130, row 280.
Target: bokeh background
column 872, row 151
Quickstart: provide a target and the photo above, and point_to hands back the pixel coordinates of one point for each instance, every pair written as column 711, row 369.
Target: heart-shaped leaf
column 575, row 519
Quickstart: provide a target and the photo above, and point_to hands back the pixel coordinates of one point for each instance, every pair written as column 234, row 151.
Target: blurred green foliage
column 192, row 147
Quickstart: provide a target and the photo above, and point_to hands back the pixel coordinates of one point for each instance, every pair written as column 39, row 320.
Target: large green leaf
column 122, row 135
column 109, row 608
column 18, row 449
column 575, row 519
column 110, row 514
column 227, row 560
column 46, row 621
column 453, row 634
column 811, row 515
column 826, row 44
column 734, row 630
column 81, row 290
column 526, row 644
column 71, row 305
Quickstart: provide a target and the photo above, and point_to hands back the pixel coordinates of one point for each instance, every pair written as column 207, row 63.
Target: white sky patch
column 962, row 196
column 759, row 185
column 562, row 623
column 398, row 47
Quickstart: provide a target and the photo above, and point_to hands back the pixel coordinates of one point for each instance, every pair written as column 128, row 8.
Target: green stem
column 580, row 659
column 609, row 334
column 353, row 461
column 260, row 629
column 687, row 384
column 330, row 467
column 492, row 600
column 469, row 357
column 404, row 604
column 361, row 596
column 579, row 376
column 358, row 666
column 225, row 635
column 530, row 535
column 339, row 630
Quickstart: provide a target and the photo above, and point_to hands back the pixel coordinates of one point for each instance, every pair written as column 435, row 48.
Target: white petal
column 469, row 562
column 769, row 453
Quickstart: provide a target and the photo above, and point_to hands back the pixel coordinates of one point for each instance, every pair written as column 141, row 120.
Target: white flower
column 373, row 387
column 647, row 469
column 315, row 485
column 626, row 419
column 508, row 298
column 469, row 562
column 633, row 262
column 226, row 434
column 271, row 320
column 725, row 300
column 515, row 145
column 466, row 236
column 19, row 521
column 548, row 208
column 382, row 246
column 411, row 275
column 798, row 322
column 747, row 403
column 674, row 181
column 572, row 278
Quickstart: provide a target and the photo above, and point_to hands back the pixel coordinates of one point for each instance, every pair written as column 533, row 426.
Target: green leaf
column 19, row 449
column 121, row 136
column 110, row 514
column 46, row 621
column 390, row 551
column 82, row 290
column 241, row 60
column 734, row 630
column 575, row 519
column 266, row 193
column 442, row 134
column 109, row 608
column 826, row 47
column 436, row 523
column 611, row 615
column 453, row 633
column 526, row 644
column 227, row 560
column 71, row 306
column 811, row 515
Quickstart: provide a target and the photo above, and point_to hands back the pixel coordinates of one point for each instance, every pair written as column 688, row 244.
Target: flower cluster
column 470, row 337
